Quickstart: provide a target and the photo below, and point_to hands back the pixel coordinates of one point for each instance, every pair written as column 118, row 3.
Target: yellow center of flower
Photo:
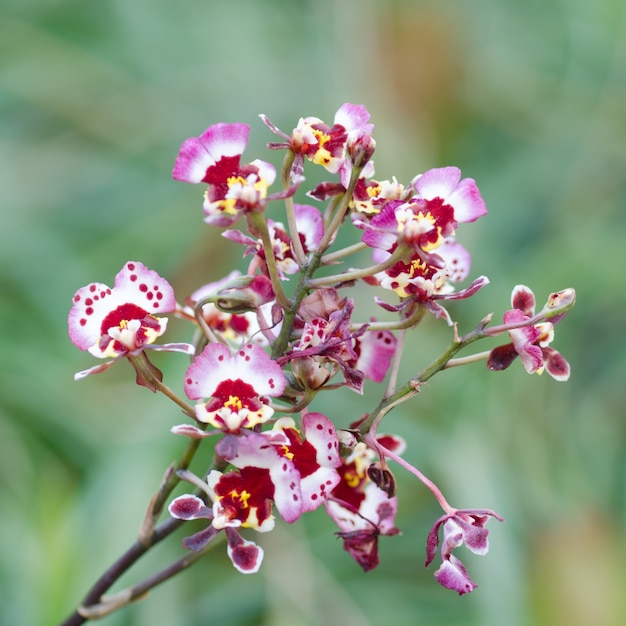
column 286, row 453
column 233, row 403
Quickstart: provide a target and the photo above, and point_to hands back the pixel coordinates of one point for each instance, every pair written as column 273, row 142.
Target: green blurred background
column 527, row 98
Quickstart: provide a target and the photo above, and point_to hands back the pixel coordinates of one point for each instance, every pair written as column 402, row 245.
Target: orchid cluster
column 267, row 341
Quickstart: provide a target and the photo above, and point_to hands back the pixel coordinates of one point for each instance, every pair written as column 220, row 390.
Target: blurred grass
column 528, row 99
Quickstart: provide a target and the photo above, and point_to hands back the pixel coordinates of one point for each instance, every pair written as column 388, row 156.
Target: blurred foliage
column 527, row 98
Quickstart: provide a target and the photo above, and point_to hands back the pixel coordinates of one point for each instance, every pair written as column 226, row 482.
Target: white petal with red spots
column 137, row 293
column 250, row 364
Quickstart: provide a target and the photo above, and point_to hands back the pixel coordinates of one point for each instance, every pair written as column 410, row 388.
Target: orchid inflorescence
column 268, row 341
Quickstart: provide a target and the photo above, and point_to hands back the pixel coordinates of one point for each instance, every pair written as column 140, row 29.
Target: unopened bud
column 558, row 304
column 383, row 478
column 243, row 294
column 361, row 149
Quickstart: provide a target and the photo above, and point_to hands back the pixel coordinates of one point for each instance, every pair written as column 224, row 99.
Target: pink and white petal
column 320, row 432
column 316, row 487
column 185, row 348
column 393, row 443
column 192, row 161
column 266, row 120
column 189, row 507
column 267, row 172
column 145, row 288
column 91, row 304
column 353, row 116
column 531, row 356
column 288, row 490
column 197, row 154
column 453, row 575
column 458, row 260
column 467, row 202
column 254, row 366
column 96, row 369
column 376, row 348
column 380, row 509
column 523, row 298
column 475, row 535
column 556, row 365
column 452, row 537
column 245, row 555
column 346, row 520
column 188, row 430
column 382, row 231
column 212, row 366
column 438, row 182
column 199, row 540
column 238, row 237
column 310, row 224
column 224, row 139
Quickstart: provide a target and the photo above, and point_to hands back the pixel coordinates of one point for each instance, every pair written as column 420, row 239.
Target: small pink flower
column 237, row 384
column 531, row 342
column 327, row 145
column 361, row 509
column 245, row 555
column 214, row 158
column 461, row 527
column 112, row 322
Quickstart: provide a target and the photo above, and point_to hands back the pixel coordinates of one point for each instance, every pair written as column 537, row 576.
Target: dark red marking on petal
column 125, row 312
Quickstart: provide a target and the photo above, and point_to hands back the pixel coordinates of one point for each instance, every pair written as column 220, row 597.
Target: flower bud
column 361, row 149
column 245, row 293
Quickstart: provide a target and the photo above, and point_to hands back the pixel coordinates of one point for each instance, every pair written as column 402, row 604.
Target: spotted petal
column 216, row 364
column 137, row 293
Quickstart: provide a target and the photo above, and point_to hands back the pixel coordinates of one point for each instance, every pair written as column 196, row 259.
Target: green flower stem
column 466, row 360
column 259, row 223
column 290, row 308
column 412, row 387
column 337, row 219
column 112, row 603
column 412, row 320
column 327, row 259
column 172, row 479
column 138, row 549
column 395, row 363
column 93, row 605
column 144, row 367
column 330, row 209
column 398, row 254
column 298, row 250
column 197, row 310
